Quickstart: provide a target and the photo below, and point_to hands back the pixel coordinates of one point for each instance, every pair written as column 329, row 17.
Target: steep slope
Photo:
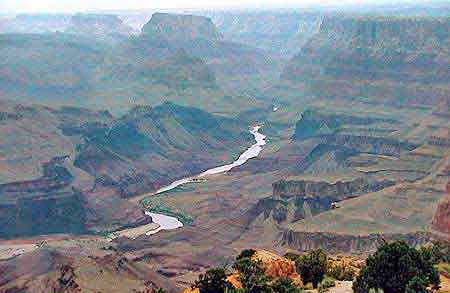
column 69, row 170
column 441, row 220
column 119, row 72
column 57, row 270
column 401, row 61
column 150, row 147
column 41, row 190
column 239, row 69
column 41, row 68
column 281, row 33
column 410, row 208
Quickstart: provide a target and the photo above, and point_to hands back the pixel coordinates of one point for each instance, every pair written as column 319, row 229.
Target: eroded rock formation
column 441, row 220
column 342, row 243
column 181, row 27
column 401, row 61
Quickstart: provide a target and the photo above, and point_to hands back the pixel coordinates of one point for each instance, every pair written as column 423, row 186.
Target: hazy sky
column 16, row 6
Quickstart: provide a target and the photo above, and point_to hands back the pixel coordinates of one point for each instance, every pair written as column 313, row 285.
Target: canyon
column 352, row 110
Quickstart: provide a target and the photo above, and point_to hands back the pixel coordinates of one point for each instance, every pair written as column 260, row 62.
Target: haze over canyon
column 141, row 148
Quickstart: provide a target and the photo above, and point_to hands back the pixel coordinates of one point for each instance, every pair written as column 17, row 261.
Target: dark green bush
column 312, row 267
column 213, row 281
column 396, row 266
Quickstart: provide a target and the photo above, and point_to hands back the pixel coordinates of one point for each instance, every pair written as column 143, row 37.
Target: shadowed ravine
column 170, row 223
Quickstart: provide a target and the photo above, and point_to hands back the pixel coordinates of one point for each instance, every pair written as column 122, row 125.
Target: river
column 171, row 223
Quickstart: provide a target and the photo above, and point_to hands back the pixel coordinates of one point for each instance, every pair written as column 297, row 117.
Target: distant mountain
column 98, row 24
column 282, row 33
column 402, row 61
column 119, row 72
column 42, row 68
column 181, row 27
column 240, row 69
column 36, row 23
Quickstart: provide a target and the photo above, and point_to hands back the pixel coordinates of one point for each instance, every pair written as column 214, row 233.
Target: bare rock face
column 181, row 27
column 295, row 200
column 277, row 267
column 339, row 190
column 342, row 243
column 402, row 61
column 441, row 221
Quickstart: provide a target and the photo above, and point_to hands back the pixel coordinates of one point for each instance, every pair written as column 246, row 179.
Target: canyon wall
column 338, row 191
column 299, row 199
column 401, row 61
column 441, row 220
column 181, row 27
column 340, row 243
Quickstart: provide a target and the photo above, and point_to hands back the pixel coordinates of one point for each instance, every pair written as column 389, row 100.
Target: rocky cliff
column 149, row 147
column 341, row 243
column 42, row 206
column 402, row 61
column 181, row 27
column 337, row 191
column 441, row 220
column 51, row 204
column 295, row 200
column 78, row 269
column 281, row 33
column 314, row 122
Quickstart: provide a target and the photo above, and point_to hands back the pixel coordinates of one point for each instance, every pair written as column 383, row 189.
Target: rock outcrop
column 70, row 270
column 441, row 220
column 181, row 27
column 401, row 61
column 295, row 200
column 342, row 243
column 337, row 191
column 150, row 147
column 275, row 267
column 314, row 122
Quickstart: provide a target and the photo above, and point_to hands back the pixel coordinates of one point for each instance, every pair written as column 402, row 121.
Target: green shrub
column 252, row 275
column 326, row 284
column 246, row 253
column 213, row 281
column 312, row 267
column 285, row 285
column 341, row 272
column 394, row 266
column 416, row 285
